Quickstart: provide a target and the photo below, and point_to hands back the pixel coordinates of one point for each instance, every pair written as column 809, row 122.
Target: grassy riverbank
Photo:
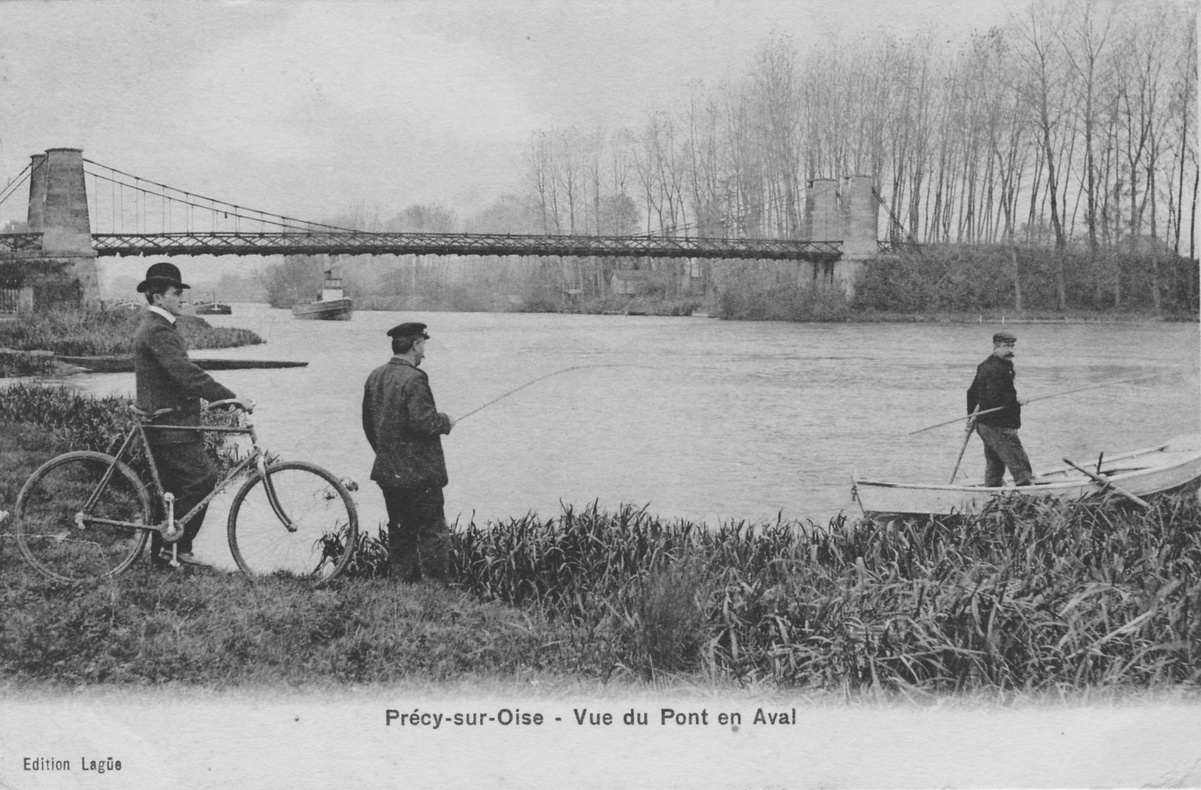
column 94, row 332
column 1027, row 599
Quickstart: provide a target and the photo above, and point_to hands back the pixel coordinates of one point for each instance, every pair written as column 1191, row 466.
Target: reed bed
column 106, row 332
column 1022, row 597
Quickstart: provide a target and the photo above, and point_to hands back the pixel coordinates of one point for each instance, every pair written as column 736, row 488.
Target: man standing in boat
column 993, row 391
column 167, row 379
column 405, row 429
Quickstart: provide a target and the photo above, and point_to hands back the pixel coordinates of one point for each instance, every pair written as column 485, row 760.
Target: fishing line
column 542, row 378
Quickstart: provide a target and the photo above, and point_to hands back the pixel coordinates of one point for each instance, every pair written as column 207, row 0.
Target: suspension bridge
column 128, row 215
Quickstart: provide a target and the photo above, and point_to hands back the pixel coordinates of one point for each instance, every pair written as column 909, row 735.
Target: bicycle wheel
column 325, row 523
column 63, row 536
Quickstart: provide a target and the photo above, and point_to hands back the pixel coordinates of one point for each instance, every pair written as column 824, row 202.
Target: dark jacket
column 167, row 379
column 403, row 427
column 992, row 387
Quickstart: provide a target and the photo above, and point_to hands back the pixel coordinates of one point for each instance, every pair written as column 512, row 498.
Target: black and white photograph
column 600, row 394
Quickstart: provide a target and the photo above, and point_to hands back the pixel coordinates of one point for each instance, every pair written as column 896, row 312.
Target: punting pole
column 1040, row 397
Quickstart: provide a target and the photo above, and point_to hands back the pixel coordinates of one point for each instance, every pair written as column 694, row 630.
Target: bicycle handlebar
column 245, row 405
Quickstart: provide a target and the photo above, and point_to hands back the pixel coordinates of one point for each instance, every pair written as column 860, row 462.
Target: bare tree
column 540, row 175
column 1084, row 42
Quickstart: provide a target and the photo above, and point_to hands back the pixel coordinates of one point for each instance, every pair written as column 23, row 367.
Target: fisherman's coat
column 993, row 387
column 404, row 427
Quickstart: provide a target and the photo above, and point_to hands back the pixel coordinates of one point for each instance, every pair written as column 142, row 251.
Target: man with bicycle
column 404, row 428
column 167, row 379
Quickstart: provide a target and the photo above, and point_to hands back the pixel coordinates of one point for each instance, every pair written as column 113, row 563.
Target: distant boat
column 208, row 305
column 331, row 304
column 1170, row 466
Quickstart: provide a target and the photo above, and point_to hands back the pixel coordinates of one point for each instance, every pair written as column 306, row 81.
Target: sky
column 310, row 109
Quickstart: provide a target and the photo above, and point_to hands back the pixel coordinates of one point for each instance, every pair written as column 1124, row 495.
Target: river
column 699, row 418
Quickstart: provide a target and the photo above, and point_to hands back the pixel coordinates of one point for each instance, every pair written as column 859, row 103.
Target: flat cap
column 1004, row 337
column 410, row 329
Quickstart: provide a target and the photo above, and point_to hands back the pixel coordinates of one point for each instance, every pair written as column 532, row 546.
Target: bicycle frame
column 171, row 528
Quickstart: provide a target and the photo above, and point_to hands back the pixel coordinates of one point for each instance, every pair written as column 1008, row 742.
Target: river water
column 699, row 418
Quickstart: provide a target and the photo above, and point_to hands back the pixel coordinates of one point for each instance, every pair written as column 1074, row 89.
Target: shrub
column 746, row 302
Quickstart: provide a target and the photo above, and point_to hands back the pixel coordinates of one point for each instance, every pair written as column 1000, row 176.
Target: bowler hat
column 1004, row 337
column 162, row 273
column 410, row 329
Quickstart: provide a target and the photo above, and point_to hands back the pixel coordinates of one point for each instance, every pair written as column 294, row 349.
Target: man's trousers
column 187, row 472
column 418, row 538
column 1003, row 450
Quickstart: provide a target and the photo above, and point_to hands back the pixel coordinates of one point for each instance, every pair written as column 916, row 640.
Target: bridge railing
column 361, row 243
column 20, row 242
column 354, row 243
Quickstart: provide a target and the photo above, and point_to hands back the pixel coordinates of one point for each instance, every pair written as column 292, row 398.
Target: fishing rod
column 1040, row 397
column 542, row 378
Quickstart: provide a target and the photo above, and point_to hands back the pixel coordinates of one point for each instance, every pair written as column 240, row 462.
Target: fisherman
column 166, row 378
column 993, row 388
column 404, row 428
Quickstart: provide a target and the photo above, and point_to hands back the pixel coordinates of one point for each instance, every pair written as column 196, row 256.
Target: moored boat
column 124, row 364
column 1170, row 466
column 208, row 305
column 331, row 304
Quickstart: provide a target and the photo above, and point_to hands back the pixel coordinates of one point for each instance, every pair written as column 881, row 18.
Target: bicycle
column 85, row 515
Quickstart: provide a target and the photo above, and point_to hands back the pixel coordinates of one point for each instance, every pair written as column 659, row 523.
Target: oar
column 1100, row 478
column 966, row 435
column 1040, row 397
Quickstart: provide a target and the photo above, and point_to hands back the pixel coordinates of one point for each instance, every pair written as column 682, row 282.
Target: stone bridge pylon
column 63, row 270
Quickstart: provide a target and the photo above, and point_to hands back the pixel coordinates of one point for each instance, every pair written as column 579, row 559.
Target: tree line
column 1071, row 123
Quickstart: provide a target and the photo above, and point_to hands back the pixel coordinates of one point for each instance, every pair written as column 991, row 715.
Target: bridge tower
column 842, row 209
column 859, row 220
column 64, row 269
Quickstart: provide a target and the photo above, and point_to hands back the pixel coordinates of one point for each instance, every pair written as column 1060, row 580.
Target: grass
column 1024, row 599
column 148, row 628
column 106, row 332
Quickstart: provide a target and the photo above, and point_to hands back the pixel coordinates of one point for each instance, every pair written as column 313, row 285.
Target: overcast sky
column 306, row 109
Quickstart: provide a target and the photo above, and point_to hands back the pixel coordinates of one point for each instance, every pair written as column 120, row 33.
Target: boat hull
column 1154, row 470
column 125, row 364
column 332, row 310
column 215, row 308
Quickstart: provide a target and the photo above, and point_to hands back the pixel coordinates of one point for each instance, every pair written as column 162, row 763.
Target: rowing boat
column 1170, row 466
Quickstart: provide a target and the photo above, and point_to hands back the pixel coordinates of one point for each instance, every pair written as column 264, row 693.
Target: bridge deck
column 355, row 243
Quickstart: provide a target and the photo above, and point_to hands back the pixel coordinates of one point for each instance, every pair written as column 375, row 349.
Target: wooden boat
column 331, row 304
column 208, row 305
column 125, row 364
column 1166, row 467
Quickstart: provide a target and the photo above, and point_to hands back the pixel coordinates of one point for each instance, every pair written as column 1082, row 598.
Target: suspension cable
column 284, row 220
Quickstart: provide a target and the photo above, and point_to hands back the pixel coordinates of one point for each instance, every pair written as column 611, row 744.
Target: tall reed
column 1020, row 596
